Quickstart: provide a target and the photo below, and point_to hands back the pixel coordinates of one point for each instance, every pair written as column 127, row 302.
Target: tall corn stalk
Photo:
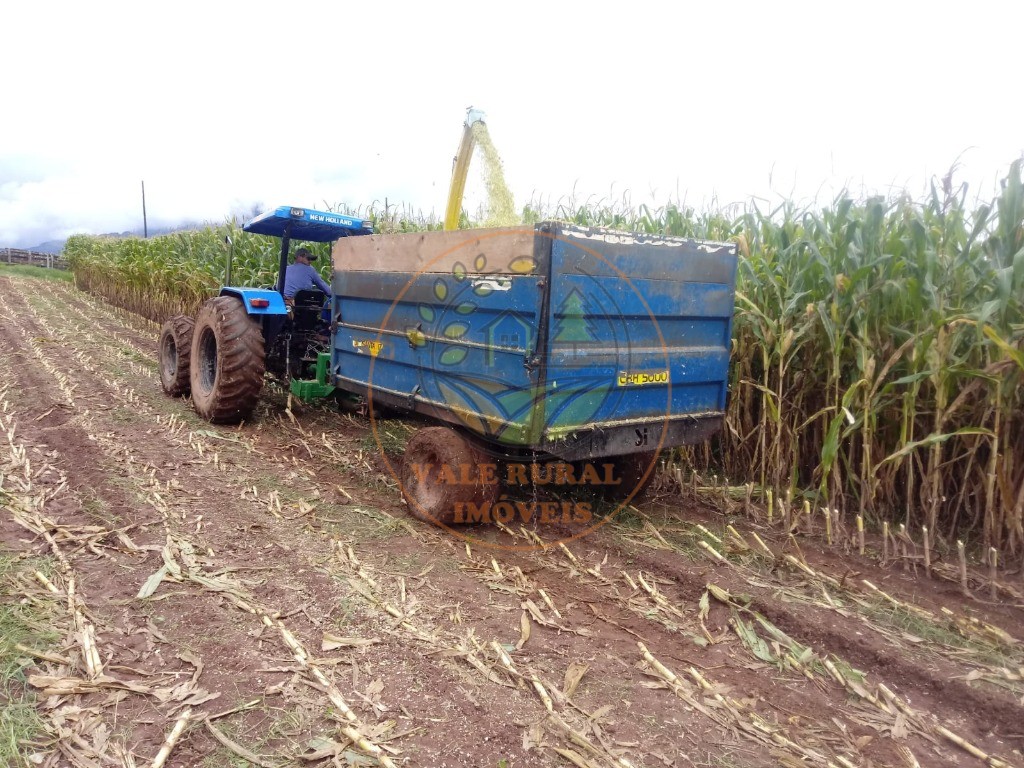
column 877, row 350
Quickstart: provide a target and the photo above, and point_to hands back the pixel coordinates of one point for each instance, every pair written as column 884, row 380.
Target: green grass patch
column 125, row 415
column 146, row 361
column 40, row 273
column 28, row 624
column 97, row 509
column 358, row 520
column 683, row 538
column 938, row 634
column 391, row 437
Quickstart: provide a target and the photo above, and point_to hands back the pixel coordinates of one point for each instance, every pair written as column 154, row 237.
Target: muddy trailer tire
column 227, row 361
column 630, row 471
column 175, row 351
column 441, row 476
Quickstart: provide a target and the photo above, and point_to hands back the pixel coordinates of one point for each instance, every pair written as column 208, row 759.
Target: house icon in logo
column 511, row 332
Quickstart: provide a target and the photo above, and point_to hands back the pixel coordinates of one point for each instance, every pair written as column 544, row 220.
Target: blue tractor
column 222, row 355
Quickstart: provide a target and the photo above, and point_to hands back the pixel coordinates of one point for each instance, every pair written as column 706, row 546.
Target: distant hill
column 56, row 246
column 50, row 246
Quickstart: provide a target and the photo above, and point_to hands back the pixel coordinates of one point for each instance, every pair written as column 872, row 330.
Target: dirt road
column 263, row 589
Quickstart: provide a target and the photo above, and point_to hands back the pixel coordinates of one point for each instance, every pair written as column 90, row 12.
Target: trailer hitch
column 412, row 397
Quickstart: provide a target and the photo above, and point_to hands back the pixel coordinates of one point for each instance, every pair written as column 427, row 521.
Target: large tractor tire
column 442, row 478
column 175, row 351
column 227, row 361
column 629, row 471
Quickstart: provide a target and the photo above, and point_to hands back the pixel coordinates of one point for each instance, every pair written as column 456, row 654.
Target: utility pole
column 145, row 227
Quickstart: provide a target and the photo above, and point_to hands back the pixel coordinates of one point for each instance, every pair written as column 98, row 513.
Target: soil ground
column 292, row 613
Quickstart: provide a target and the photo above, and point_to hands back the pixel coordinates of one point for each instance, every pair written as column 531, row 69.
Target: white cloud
column 221, row 105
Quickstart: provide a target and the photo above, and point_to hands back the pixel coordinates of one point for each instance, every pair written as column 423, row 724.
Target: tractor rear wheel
column 174, row 351
column 444, row 478
column 227, row 361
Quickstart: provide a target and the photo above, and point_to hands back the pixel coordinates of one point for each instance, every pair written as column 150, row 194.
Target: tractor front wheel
column 444, row 480
column 227, row 361
column 174, row 351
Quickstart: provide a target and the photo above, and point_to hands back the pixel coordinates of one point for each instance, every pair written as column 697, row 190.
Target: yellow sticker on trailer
column 373, row 347
column 641, row 378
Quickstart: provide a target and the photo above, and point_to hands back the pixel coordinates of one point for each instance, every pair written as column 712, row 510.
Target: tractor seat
column 307, row 307
column 309, row 298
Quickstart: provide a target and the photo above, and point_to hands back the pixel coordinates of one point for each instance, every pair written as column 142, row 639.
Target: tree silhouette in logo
column 577, row 394
column 572, row 327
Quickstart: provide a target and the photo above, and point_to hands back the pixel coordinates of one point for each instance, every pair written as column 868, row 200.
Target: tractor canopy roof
column 307, row 224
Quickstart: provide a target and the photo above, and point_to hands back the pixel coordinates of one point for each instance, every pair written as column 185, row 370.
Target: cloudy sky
column 225, row 106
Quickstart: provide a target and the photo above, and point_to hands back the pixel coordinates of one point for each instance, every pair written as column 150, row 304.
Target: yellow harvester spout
column 460, row 169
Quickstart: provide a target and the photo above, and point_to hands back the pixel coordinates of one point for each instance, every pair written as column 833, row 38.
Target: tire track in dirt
column 86, row 461
column 951, row 757
column 152, row 461
column 610, row 670
column 791, row 709
column 991, row 716
column 492, row 607
column 625, row 641
column 112, row 388
column 122, row 325
column 73, row 437
column 839, row 694
column 463, row 589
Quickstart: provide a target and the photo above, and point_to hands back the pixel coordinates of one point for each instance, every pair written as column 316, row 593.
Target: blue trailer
column 588, row 348
column 543, row 342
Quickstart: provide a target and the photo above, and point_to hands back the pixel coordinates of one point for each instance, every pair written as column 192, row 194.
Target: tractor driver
column 301, row 276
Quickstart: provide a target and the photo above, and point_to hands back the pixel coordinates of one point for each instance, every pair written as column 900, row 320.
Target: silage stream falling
column 501, row 210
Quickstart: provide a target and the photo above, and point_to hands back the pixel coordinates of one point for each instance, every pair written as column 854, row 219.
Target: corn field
column 878, row 350
column 176, row 273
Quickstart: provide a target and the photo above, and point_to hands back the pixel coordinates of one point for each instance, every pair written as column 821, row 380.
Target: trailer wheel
column 227, row 361
column 629, row 470
column 442, row 480
column 174, row 352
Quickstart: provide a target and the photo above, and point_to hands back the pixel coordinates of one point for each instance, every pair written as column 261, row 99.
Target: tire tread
column 240, row 362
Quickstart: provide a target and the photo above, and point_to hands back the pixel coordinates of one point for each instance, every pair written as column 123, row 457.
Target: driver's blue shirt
column 302, row 277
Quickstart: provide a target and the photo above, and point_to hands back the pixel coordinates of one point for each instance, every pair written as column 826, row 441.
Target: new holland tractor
column 221, row 355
